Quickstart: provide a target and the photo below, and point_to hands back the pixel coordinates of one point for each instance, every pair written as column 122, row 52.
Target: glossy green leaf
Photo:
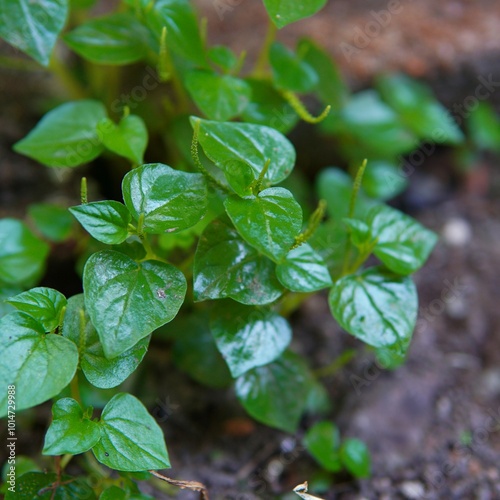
column 33, row 27
column 115, row 39
column 127, row 300
column 323, row 443
column 129, row 138
column 66, row 136
column 196, row 354
column 106, row 221
column 330, row 88
column 247, row 143
column 99, row 370
column 290, row 71
column 269, row 222
column 239, row 176
column 368, row 128
column 131, row 440
column 356, row 458
column 283, row 12
column 183, row 33
column 403, row 244
column 22, row 255
column 223, row 56
column 335, row 186
column 359, row 231
column 169, row 200
column 247, row 336
column 384, row 180
column 376, row 306
column 40, row 365
column 483, row 127
column 303, row 270
column 268, row 107
column 70, row 431
column 43, row 304
column 53, row 221
column 38, row 485
column 419, row 109
column 226, row 266
column 219, row 97
column 276, row 394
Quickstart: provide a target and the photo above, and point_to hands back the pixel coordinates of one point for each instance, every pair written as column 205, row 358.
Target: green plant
column 212, row 240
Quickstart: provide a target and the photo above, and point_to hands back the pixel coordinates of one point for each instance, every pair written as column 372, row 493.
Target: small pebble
column 457, row 232
column 413, row 490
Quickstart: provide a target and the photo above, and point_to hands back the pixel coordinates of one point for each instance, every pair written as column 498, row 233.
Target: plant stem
column 336, row 365
column 262, row 60
column 301, row 110
column 72, row 85
column 75, row 389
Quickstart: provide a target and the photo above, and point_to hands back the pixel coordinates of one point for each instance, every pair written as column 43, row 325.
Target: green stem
column 301, row 110
column 256, row 185
column 262, row 60
column 291, row 303
column 312, row 225
column 83, row 191
column 336, row 365
column 75, row 389
column 72, row 85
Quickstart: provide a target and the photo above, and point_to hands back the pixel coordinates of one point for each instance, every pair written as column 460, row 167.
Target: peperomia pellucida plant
column 209, row 236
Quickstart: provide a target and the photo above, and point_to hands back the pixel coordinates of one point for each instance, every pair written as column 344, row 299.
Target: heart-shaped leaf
column 356, row 457
column 303, row 270
column 269, row 221
column 43, row 304
column 219, row 97
column 39, row 365
column 66, row 136
column 254, row 145
column 248, row 336
column 376, row 306
column 276, row 394
column 323, row 443
column 283, row 12
column 70, row 431
column 127, row 300
column 129, row 138
column 33, row 27
column 131, row 440
column 99, row 370
column 169, row 200
column 227, row 266
column 106, row 221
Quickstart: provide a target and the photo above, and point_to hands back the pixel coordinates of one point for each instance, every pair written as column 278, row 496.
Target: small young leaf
column 127, row 300
column 247, row 143
column 99, row 370
column 383, row 180
column 356, row 458
column 419, row 109
column 226, row 266
column 376, row 306
column 22, row 255
column 168, row 199
column 129, row 138
column 223, row 56
column 43, row 304
column 268, row 107
column 269, row 221
column 131, row 440
column 106, row 221
column 403, row 244
column 303, row 270
column 66, row 136
column 219, row 97
column 196, row 354
column 53, row 221
column 70, row 431
column 183, row 33
column 276, row 394
column 290, row 71
column 483, row 127
column 330, row 88
column 248, row 337
column 31, row 351
column 33, row 27
column 115, row 39
column 240, row 177
column 283, row 12
column 359, row 231
column 323, row 443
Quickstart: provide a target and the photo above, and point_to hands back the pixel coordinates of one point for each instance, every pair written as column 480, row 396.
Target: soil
column 433, row 424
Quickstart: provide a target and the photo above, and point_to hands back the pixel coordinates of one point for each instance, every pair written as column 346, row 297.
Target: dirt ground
column 432, row 425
